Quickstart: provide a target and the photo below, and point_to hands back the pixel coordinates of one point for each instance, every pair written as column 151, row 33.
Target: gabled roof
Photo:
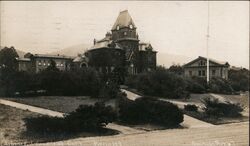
column 220, row 63
column 123, row 20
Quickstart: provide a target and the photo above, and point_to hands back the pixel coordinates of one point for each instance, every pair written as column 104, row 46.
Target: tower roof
column 123, row 20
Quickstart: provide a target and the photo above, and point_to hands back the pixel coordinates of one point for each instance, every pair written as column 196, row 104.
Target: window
column 213, row 72
column 39, row 62
column 199, row 72
column 190, row 73
column 125, row 33
column 203, row 73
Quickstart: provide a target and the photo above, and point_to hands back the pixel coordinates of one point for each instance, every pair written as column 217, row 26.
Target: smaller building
column 198, row 67
column 38, row 62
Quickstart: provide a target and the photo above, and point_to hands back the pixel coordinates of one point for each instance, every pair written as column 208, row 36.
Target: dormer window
column 131, row 26
column 117, row 27
column 202, row 63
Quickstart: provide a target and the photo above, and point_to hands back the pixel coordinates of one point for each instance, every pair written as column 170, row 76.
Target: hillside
column 72, row 50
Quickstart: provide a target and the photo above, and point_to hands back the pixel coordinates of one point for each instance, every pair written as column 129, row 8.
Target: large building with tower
column 122, row 47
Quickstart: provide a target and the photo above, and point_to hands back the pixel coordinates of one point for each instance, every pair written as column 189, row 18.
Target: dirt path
column 223, row 135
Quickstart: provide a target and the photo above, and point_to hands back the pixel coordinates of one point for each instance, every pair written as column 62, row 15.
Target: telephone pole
column 207, row 41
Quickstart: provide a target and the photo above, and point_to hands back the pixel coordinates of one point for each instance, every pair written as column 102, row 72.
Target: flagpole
column 207, row 41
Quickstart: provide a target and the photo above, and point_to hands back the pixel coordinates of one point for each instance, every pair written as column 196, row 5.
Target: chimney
column 94, row 41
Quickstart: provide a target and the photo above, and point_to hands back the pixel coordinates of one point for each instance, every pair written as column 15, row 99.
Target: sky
column 172, row 27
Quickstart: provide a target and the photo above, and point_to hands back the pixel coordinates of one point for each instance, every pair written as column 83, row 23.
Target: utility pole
column 207, row 41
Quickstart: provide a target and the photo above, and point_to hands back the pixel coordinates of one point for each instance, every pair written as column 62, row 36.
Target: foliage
column 177, row 69
column 221, row 109
column 8, row 58
column 160, row 82
column 239, row 79
column 54, row 82
column 109, row 90
column 191, row 107
column 85, row 118
column 220, row 85
column 149, row 110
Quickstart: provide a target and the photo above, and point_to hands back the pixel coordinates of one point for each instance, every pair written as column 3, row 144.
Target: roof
column 105, row 43
column 51, row 56
column 23, row 59
column 79, row 58
column 123, row 20
column 221, row 63
column 144, row 46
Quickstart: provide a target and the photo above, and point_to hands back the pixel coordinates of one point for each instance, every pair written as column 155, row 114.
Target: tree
column 8, row 58
column 52, row 66
column 177, row 69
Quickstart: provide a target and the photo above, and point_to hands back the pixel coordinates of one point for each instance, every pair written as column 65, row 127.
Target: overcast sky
column 171, row 27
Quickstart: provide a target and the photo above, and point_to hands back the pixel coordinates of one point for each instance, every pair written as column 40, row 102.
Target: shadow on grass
column 148, row 126
column 215, row 119
column 41, row 137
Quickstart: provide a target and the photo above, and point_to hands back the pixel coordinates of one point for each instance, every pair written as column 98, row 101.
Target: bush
column 191, row 107
column 109, row 90
column 196, row 85
column 220, row 109
column 160, row 82
column 239, row 79
column 149, row 110
column 220, row 85
column 85, row 118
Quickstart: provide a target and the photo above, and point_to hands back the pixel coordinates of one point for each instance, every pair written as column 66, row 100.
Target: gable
column 202, row 61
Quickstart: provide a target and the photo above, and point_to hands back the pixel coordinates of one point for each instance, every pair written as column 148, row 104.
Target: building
column 122, row 47
column 198, row 67
column 38, row 62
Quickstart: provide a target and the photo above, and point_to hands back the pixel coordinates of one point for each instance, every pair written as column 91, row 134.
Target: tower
column 124, row 33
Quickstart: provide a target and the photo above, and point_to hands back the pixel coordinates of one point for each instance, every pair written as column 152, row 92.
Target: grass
column 63, row 104
column 215, row 120
column 12, row 125
column 13, row 130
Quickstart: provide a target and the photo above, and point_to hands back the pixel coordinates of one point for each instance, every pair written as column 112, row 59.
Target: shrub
column 150, row 110
column 85, row 118
column 196, row 85
column 109, row 90
column 160, row 82
column 220, row 109
column 191, row 107
column 239, row 79
column 220, row 85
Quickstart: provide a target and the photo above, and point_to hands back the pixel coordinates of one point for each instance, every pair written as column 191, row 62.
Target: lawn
column 13, row 130
column 64, row 104
column 242, row 99
column 12, row 125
